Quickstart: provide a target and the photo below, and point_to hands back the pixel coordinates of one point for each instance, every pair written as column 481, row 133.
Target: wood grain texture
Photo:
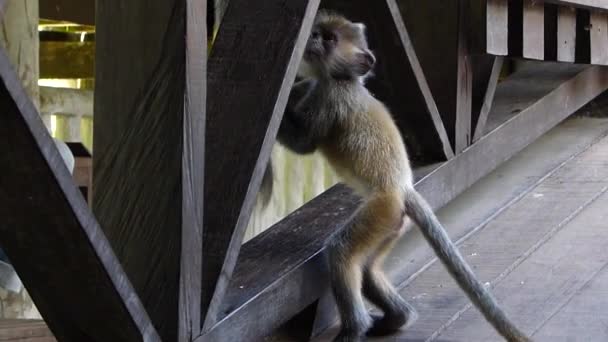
column 138, row 141
column 598, row 32
column 193, row 168
column 534, row 29
column 566, row 34
column 271, row 275
column 464, row 82
column 398, row 79
column 590, row 4
column 487, row 88
column 48, row 232
column 240, row 133
column 517, row 259
column 497, row 23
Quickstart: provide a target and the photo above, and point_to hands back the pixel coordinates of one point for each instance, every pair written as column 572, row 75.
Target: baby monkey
column 331, row 110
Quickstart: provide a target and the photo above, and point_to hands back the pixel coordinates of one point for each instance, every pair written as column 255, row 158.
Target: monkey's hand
column 296, row 131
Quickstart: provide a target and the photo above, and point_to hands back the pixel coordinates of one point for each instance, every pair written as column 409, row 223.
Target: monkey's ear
column 365, row 62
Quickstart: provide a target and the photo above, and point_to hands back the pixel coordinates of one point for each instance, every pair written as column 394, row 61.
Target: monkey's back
column 366, row 147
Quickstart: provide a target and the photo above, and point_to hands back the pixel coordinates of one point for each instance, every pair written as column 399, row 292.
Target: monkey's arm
column 297, row 131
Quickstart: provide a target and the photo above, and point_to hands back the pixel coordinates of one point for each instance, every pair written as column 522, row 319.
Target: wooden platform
column 545, row 254
column 25, row 331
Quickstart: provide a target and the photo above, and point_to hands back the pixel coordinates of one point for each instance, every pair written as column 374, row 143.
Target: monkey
column 332, row 111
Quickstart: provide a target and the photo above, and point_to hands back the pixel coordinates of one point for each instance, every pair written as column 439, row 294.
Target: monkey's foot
column 389, row 324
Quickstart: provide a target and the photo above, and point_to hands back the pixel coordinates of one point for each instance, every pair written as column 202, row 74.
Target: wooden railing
column 179, row 158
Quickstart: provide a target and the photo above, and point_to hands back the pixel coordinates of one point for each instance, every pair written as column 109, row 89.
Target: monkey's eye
column 329, row 36
column 316, row 34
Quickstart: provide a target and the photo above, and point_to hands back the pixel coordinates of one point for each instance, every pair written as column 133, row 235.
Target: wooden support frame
column 241, row 133
column 49, row 234
column 149, row 160
column 302, row 256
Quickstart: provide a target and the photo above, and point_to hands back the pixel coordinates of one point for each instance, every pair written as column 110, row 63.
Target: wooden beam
column 51, row 237
column 590, row 4
column 67, row 59
column 78, row 11
column 240, row 134
column 193, row 167
column 489, row 90
column 464, row 80
column 148, row 160
column 271, row 273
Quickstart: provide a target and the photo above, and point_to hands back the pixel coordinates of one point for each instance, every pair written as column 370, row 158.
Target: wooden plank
column 464, row 80
column 139, row 134
column 240, row 133
column 599, row 37
column 398, row 79
column 534, row 29
column 497, row 27
column 583, row 316
column 51, row 237
column 591, row 4
column 67, row 59
column 79, row 11
column 193, row 167
column 524, row 87
column 285, row 290
column 533, row 270
column 25, row 330
column 583, row 37
column 434, row 31
column 488, row 89
column 566, row 34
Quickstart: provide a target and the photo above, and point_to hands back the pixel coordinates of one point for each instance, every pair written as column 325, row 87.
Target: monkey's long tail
column 422, row 214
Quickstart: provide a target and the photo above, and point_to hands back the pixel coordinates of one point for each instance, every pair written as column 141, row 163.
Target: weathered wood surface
column 240, row 133
column 139, row 136
column 535, row 272
column 591, row 4
column 25, row 330
column 193, row 168
column 540, row 30
column 439, row 185
column 485, row 80
column 52, row 238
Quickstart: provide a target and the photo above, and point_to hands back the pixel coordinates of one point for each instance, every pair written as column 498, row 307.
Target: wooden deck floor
column 545, row 253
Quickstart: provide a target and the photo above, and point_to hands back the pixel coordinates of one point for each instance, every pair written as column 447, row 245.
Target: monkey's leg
column 378, row 289
column 347, row 255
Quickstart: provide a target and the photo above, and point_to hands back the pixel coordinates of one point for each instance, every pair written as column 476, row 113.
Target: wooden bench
column 25, row 330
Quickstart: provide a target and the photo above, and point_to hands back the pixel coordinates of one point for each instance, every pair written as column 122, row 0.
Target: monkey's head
column 337, row 49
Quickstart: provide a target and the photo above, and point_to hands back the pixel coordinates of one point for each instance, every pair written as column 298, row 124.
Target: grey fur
column 322, row 110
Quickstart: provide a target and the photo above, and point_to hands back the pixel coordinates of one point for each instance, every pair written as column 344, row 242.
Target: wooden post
column 19, row 36
column 149, row 151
